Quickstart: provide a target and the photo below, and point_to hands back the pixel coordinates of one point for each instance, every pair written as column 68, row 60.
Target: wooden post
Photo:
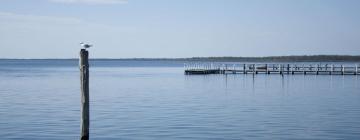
column 279, row 69
column 317, row 69
column 234, row 70
column 356, row 69
column 288, row 68
column 303, row 68
column 326, row 67
column 255, row 69
column 267, row 69
column 84, row 79
column 244, row 69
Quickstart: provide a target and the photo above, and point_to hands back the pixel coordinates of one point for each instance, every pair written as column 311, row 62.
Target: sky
column 178, row 28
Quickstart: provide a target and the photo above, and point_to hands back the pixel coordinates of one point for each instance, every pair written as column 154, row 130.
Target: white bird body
column 85, row 45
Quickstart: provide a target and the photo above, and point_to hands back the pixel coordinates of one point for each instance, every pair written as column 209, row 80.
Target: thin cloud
column 6, row 17
column 91, row 1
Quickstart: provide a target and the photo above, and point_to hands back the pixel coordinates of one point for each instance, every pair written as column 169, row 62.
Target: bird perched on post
column 85, row 45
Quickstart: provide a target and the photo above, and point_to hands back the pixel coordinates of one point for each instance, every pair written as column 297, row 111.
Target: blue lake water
column 40, row 99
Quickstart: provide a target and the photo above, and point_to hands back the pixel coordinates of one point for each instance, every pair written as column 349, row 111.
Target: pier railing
column 236, row 68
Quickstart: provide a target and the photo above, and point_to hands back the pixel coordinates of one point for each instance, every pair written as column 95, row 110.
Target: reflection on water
column 285, row 81
column 163, row 103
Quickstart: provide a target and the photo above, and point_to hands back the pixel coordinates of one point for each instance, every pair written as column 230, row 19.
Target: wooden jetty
column 236, row 68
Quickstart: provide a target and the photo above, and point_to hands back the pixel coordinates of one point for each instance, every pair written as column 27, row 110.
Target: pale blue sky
column 178, row 28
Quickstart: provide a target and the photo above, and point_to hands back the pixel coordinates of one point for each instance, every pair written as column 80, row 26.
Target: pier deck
column 216, row 68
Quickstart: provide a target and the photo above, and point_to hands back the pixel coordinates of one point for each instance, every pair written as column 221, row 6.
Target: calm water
column 155, row 100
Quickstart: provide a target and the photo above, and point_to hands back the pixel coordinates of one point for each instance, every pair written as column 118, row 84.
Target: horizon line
column 194, row 57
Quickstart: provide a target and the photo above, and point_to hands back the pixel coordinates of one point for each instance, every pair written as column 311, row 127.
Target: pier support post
column 234, row 69
column 267, row 69
column 244, row 69
column 279, row 69
column 288, row 68
column 326, row 67
column 255, row 69
column 304, row 70
column 317, row 69
column 356, row 69
column 84, row 79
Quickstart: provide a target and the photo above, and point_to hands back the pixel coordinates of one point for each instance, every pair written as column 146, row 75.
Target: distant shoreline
column 298, row 58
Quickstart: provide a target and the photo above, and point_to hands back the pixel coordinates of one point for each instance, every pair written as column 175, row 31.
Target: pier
column 259, row 68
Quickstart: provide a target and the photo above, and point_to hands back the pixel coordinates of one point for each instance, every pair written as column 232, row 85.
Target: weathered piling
column 84, row 80
column 244, row 69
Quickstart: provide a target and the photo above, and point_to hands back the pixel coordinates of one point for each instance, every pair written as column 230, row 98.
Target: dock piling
column 267, row 69
column 255, row 69
column 84, row 79
column 244, row 69
column 317, row 69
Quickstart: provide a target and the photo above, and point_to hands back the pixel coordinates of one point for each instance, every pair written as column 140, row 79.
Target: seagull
column 85, row 45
